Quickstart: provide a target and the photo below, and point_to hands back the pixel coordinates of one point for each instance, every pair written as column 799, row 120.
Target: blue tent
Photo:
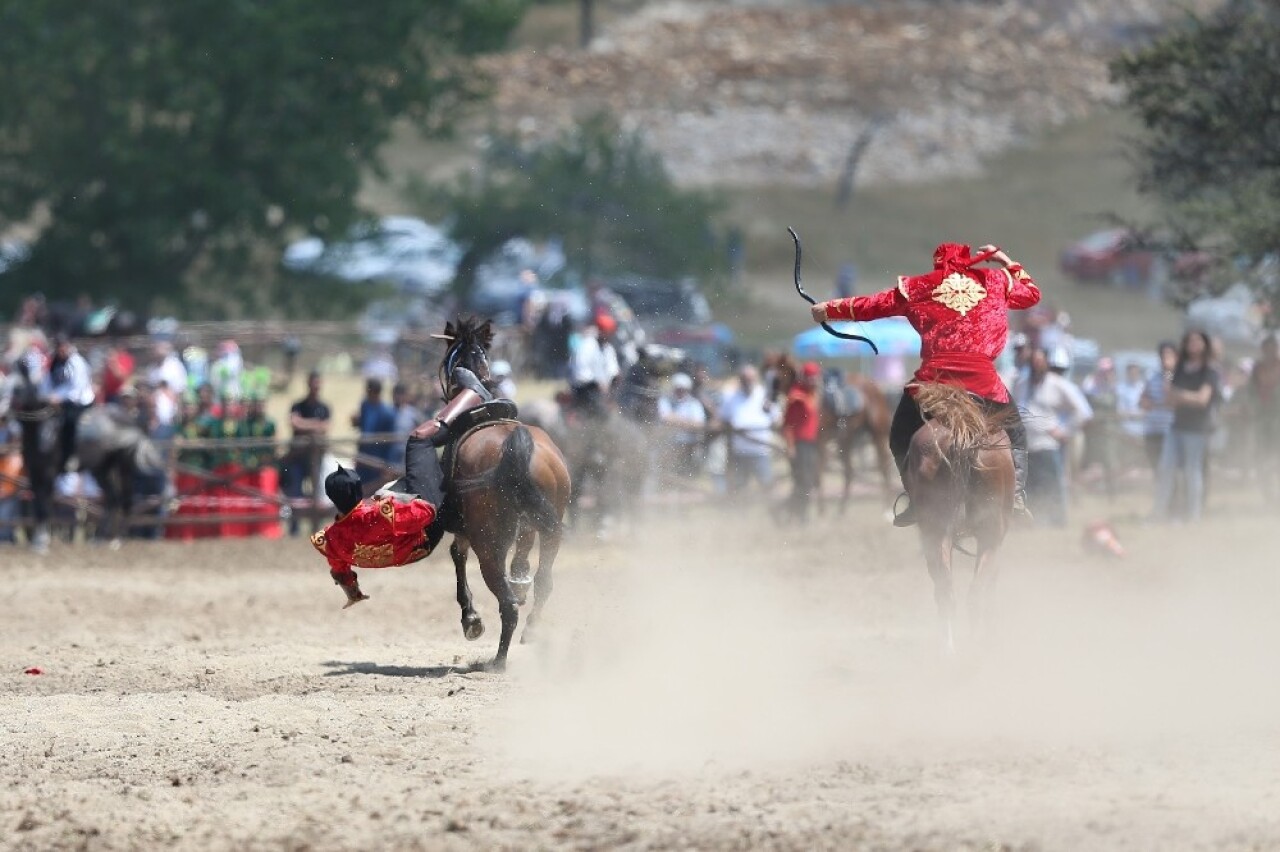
column 894, row 336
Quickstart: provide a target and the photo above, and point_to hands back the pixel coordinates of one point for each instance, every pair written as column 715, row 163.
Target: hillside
column 766, row 94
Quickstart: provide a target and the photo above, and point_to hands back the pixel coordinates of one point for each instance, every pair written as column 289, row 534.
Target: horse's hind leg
column 472, row 626
column 520, row 579
column 493, row 567
column 937, row 553
column 542, row 583
column 981, row 590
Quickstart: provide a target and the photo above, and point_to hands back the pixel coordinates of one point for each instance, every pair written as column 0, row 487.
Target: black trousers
column 908, row 418
column 423, row 473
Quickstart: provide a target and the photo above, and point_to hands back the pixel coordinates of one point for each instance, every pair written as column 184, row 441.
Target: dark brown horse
column 510, row 487
column 960, row 479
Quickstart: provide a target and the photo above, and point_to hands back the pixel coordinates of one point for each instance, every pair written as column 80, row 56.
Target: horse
column 960, row 479
column 844, row 427
column 115, row 450
column 509, row 487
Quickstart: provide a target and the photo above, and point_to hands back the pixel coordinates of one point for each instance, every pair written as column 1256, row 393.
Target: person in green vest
column 256, row 424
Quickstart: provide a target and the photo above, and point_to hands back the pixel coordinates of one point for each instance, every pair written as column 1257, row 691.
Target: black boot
column 437, row 430
column 464, row 378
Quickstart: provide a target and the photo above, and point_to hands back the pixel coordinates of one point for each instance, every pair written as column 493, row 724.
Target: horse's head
column 469, row 340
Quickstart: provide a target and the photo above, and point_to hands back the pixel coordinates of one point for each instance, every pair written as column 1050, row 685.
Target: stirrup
column 907, row 517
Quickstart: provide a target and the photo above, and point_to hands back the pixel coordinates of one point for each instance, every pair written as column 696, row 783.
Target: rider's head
column 343, row 489
column 951, row 256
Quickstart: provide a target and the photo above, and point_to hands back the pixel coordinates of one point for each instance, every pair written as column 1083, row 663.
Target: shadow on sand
column 338, row 668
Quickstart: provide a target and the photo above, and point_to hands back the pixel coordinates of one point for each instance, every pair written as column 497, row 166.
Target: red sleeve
column 1022, row 290
column 330, row 551
column 886, row 303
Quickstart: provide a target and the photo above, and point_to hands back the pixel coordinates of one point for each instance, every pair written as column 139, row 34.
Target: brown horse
column 960, row 479
column 510, row 487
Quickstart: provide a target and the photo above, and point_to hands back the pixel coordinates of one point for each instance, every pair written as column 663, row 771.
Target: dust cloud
column 723, row 646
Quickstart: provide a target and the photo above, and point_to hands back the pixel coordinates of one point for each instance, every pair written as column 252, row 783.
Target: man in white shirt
column 1054, row 410
column 69, row 384
column 746, row 414
column 593, row 365
column 686, row 420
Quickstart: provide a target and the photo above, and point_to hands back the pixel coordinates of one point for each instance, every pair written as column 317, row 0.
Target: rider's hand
column 819, row 312
column 997, row 255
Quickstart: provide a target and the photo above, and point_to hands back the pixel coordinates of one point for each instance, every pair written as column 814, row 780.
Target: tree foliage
column 599, row 188
column 1208, row 94
column 156, row 142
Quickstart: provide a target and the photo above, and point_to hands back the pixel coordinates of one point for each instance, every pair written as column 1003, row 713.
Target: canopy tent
column 893, row 336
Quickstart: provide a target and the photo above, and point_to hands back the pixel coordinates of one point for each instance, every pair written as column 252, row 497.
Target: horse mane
column 469, row 330
column 972, row 429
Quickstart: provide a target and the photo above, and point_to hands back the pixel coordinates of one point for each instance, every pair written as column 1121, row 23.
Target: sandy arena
column 727, row 685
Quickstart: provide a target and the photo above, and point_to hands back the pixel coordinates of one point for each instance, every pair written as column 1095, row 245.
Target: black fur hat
column 343, row 489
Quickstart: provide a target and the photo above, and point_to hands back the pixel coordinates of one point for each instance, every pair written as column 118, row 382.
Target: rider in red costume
column 961, row 313
column 397, row 527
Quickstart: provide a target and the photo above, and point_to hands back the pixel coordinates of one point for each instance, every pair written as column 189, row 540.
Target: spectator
column 169, row 369
column 117, row 371
column 1129, row 402
column 70, row 385
column 10, row 471
column 1192, row 393
column 746, row 417
column 800, row 431
column 711, row 396
column 375, row 417
column 407, row 418
column 847, row 281
column 504, row 384
column 686, row 420
column 309, row 420
column 1264, row 397
column 593, row 365
column 1155, row 402
column 1055, row 409
column 1102, row 432
column 256, row 424
column 226, row 371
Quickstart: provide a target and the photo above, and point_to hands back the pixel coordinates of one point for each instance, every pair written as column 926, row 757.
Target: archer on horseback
column 401, row 523
column 960, row 311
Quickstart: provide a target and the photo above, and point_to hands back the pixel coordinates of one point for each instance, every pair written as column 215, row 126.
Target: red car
column 1116, row 255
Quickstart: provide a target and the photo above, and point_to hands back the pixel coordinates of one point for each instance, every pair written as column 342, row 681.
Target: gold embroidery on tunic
column 387, row 509
column 373, row 555
column 960, row 293
column 902, row 286
column 319, row 542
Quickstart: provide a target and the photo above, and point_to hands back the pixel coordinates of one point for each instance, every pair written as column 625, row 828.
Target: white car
column 415, row 255
column 1234, row 316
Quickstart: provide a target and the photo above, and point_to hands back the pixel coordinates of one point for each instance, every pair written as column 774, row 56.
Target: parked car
column 710, row 345
column 1235, row 317
column 658, row 302
column 1117, row 256
column 415, row 255
column 505, row 278
column 12, row 253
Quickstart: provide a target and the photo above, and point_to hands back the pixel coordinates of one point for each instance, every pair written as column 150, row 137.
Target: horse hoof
column 472, row 629
column 497, row 665
column 520, row 588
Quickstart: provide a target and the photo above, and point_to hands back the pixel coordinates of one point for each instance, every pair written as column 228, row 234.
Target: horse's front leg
column 472, row 626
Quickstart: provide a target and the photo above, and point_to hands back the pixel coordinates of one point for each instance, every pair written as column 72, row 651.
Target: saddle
column 486, row 412
column 842, row 400
column 490, row 414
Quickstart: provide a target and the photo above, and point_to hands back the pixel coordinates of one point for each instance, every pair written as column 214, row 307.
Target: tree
column 1208, row 94
column 597, row 187
column 159, row 142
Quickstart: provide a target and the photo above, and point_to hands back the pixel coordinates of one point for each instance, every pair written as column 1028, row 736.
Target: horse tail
column 512, row 477
column 962, row 415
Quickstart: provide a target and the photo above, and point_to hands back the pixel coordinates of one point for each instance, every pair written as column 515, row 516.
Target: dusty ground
column 725, row 685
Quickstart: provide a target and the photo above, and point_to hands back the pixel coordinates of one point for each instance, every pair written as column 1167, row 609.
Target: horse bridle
column 453, row 356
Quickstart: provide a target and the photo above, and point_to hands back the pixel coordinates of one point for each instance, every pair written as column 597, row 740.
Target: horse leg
column 542, row 583
column 126, row 473
column 520, row 579
column 472, row 626
column 493, row 567
column 937, row 553
column 846, row 465
column 980, row 591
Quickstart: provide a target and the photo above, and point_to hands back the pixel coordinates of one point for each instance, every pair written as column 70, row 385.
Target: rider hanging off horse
column 402, row 523
column 960, row 310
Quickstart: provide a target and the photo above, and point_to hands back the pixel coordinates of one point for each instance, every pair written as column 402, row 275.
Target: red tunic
column 379, row 532
column 800, row 421
column 961, row 315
